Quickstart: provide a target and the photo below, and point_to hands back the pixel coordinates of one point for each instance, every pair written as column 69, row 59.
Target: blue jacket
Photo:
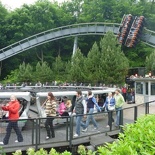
column 94, row 103
column 112, row 102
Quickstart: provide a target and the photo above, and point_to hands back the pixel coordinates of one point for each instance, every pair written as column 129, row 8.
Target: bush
column 137, row 139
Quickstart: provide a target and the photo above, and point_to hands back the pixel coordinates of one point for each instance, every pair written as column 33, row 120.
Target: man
column 118, row 106
column 13, row 108
column 80, row 110
column 91, row 103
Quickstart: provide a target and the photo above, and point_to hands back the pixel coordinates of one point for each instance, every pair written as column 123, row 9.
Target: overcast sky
column 12, row 4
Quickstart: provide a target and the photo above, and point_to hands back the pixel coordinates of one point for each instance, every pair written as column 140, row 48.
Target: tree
column 76, row 71
column 58, row 68
column 150, row 64
column 92, row 64
column 114, row 64
column 43, row 73
column 25, row 73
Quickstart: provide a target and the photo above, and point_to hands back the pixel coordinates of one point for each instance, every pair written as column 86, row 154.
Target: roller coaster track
column 67, row 31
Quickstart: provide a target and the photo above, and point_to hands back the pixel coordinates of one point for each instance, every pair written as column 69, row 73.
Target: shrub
column 137, row 139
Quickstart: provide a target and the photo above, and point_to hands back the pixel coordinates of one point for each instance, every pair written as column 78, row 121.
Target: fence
column 34, row 132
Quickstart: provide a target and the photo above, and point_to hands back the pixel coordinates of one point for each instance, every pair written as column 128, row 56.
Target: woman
column 13, row 108
column 119, row 103
column 68, row 108
column 50, row 110
column 110, row 101
column 62, row 107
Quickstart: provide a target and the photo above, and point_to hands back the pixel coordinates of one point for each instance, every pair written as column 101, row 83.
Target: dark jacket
column 79, row 108
column 90, row 103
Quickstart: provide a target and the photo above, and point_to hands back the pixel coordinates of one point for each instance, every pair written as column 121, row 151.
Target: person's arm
column 84, row 106
column 5, row 108
column 97, row 106
column 94, row 100
column 105, row 102
column 14, row 108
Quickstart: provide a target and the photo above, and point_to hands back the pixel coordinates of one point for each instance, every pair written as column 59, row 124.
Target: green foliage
column 138, row 54
column 82, row 150
column 2, row 151
column 25, row 72
column 76, row 71
column 18, row 152
column 44, row 15
column 92, row 64
column 106, row 63
column 137, row 139
column 31, row 151
column 58, row 68
column 150, row 63
column 12, row 77
column 43, row 72
column 114, row 64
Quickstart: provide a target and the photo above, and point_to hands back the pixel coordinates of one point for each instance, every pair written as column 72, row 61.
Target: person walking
column 50, row 110
column 13, row 109
column 79, row 110
column 91, row 103
column 119, row 103
column 110, row 101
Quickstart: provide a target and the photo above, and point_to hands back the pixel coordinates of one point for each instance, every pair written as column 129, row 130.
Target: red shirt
column 13, row 108
column 124, row 90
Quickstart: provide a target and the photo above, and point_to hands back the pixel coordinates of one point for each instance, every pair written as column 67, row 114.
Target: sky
column 12, row 4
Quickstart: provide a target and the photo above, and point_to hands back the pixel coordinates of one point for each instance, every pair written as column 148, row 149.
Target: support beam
column 75, row 45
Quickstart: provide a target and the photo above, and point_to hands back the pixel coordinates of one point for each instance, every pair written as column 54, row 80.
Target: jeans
column 110, row 117
column 118, row 115
column 49, row 127
column 14, row 125
column 78, row 123
column 90, row 117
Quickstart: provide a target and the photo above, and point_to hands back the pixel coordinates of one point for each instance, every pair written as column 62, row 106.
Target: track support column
column 75, row 45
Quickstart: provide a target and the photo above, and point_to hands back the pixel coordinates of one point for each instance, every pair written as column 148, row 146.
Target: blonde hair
column 110, row 93
column 68, row 103
column 13, row 97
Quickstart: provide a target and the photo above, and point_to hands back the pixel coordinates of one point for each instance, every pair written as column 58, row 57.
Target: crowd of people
column 81, row 106
column 48, row 84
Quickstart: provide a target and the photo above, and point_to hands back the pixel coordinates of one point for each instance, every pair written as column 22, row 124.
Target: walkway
column 34, row 133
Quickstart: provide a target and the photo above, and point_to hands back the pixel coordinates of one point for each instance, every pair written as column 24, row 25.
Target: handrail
column 149, row 30
column 37, row 142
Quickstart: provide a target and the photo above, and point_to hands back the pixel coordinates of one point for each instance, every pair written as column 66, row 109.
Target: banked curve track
column 67, row 31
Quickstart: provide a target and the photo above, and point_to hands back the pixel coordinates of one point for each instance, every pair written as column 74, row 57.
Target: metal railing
column 34, row 132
